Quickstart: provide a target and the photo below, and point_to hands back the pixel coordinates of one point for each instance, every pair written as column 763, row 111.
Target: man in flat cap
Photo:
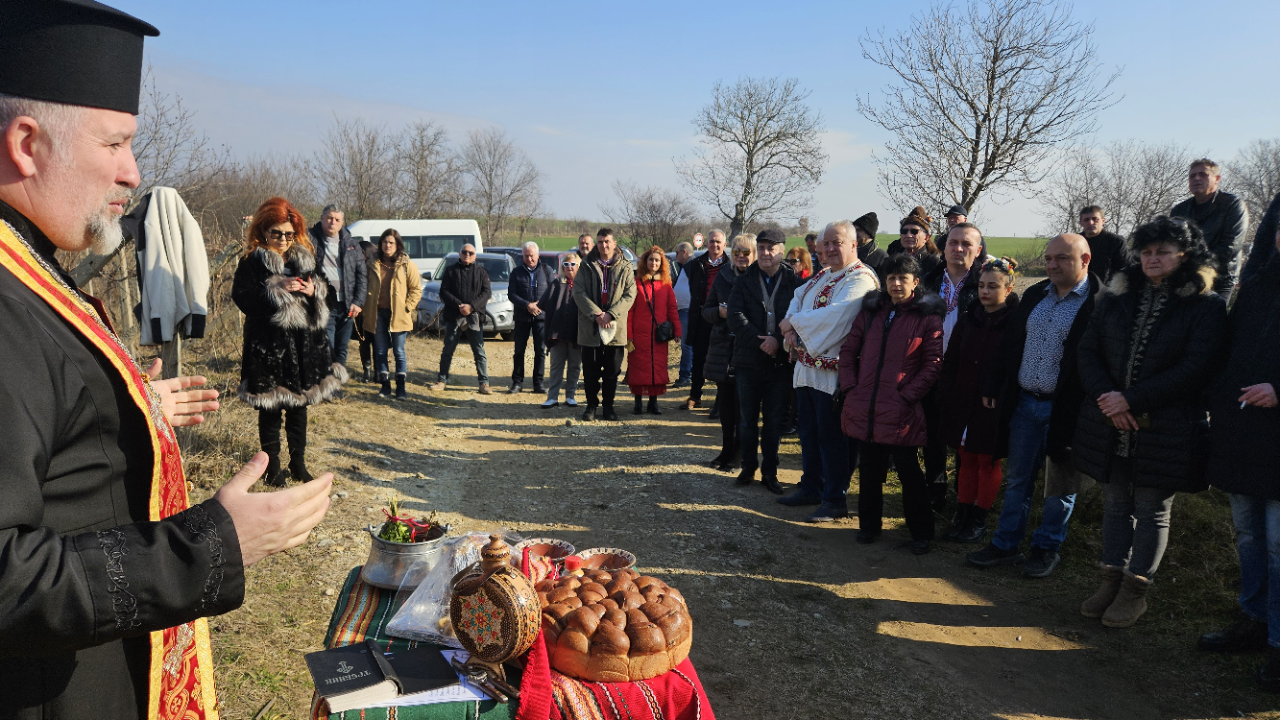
column 107, row 572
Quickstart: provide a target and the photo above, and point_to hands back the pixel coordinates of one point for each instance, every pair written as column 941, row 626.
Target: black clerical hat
column 76, row 52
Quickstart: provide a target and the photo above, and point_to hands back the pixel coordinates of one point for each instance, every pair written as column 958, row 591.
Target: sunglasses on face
column 742, row 253
column 278, row 235
column 569, row 263
column 913, row 231
column 466, row 252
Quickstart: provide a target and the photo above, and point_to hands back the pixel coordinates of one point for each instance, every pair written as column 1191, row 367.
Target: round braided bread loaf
column 615, row 626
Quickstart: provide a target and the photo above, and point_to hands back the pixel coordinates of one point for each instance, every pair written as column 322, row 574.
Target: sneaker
column 800, row 498
column 438, row 386
column 1040, row 563
column 683, row 382
column 991, row 556
column 571, row 402
column 515, row 388
column 1243, row 635
column 484, row 389
column 549, row 404
column 867, row 536
column 825, row 513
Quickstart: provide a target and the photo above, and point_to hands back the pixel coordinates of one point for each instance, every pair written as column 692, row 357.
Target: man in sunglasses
column 465, row 290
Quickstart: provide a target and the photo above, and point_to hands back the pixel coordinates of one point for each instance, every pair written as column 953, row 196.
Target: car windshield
column 498, row 268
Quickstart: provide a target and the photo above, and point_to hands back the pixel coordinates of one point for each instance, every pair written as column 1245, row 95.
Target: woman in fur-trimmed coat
column 286, row 363
column 1152, row 348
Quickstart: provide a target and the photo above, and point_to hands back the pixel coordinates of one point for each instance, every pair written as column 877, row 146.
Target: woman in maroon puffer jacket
column 889, row 361
column 966, row 424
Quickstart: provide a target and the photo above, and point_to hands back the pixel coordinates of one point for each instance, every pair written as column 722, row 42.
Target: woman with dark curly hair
column 287, row 363
column 1153, row 345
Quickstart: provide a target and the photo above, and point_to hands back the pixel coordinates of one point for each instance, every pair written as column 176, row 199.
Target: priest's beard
column 102, row 227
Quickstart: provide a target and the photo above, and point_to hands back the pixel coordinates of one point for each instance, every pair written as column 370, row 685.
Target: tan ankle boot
column 1130, row 602
column 1098, row 603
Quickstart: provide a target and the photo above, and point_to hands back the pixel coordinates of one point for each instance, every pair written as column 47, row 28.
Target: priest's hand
column 269, row 522
column 182, row 406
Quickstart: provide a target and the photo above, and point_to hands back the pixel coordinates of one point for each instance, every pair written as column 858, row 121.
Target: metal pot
column 392, row 565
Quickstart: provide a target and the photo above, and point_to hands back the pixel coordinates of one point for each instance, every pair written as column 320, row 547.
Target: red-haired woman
column 655, row 304
column 287, row 361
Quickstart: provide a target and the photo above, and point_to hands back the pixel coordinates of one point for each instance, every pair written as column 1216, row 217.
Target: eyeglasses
column 277, row 235
column 467, row 252
column 913, row 231
column 742, row 253
column 569, row 263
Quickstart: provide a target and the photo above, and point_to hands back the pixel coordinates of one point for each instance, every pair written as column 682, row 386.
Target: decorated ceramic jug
column 495, row 611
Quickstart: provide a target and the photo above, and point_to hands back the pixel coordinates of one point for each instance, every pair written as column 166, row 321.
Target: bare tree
column 428, row 182
column 982, row 97
column 1254, row 175
column 528, row 208
column 761, row 155
column 1131, row 181
column 170, row 150
column 500, row 176
column 356, row 168
column 650, row 216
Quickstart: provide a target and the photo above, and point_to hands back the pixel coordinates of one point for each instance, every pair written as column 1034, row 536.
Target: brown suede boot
column 1130, row 602
column 1098, row 603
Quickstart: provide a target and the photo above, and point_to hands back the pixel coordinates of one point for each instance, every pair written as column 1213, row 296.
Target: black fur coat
column 287, row 357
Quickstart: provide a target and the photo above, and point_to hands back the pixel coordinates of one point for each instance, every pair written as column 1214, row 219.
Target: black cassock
column 84, row 576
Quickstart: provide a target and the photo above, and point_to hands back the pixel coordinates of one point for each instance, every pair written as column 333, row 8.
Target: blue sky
column 597, row 92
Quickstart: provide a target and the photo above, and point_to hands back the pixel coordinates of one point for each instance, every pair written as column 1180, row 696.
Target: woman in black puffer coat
column 286, row 363
column 1154, row 342
column 719, row 363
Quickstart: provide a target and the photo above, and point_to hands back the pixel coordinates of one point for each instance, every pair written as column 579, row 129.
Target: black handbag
column 665, row 331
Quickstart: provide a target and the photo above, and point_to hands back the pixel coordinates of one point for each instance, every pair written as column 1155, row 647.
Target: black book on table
column 358, row 675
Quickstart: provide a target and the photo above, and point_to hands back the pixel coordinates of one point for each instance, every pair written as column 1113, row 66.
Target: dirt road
column 790, row 619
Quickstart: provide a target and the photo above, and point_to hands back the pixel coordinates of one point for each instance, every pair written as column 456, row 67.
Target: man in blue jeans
column 1035, row 386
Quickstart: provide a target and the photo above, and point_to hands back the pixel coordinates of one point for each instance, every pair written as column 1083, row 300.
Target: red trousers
column 979, row 479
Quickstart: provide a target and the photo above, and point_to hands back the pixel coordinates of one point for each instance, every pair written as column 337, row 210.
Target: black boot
column 607, row 413
column 746, row 476
column 653, row 406
column 589, row 413
column 385, row 391
column 269, row 438
column 400, row 391
column 367, row 374
column 295, row 427
column 976, row 528
column 639, row 406
column 959, row 521
column 730, row 459
column 274, row 476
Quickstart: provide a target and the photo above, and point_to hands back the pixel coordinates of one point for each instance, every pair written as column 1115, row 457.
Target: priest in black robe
column 105, row 572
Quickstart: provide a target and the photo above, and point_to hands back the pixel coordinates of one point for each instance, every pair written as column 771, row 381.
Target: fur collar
column 923, row 302
column 1187, row 281
column 296, row 257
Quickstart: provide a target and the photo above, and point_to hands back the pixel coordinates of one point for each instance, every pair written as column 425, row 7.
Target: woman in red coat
column 889, row 361
column 655, row 304
column 967, row 424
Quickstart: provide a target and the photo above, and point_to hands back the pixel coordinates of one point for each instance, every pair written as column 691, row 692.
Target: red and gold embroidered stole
column 181, row 684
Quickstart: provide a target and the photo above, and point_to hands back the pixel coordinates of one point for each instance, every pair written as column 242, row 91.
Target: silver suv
column 499, row 317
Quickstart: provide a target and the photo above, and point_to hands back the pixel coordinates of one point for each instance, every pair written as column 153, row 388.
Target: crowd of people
column 1106, row 371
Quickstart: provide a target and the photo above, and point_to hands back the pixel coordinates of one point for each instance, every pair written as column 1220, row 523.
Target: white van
column 426, row 241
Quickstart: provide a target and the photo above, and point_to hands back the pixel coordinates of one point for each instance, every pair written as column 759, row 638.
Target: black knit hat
column 773, row 236
column 868, row 224
column 74, row 52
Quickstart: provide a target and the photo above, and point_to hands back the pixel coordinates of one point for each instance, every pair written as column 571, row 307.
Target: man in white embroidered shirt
column 821, row 312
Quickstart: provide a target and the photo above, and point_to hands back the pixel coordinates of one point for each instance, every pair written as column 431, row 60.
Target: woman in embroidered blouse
column 1153, row 344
